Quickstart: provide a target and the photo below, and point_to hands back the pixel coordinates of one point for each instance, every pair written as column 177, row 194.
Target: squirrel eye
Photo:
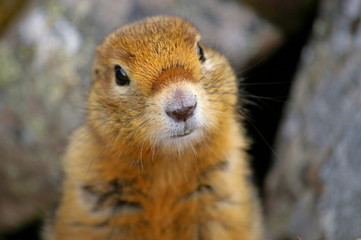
column 200, row 53
column 121, row 77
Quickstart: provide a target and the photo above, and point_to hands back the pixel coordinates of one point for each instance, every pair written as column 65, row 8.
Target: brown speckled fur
column 124, row 179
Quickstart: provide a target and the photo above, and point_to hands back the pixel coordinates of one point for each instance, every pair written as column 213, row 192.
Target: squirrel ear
column 95, row 74
column 97, row 50
column 96, row 69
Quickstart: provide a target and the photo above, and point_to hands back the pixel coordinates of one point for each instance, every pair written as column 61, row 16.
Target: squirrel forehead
column 155, row 34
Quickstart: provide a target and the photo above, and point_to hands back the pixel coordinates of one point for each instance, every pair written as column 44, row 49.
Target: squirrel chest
column 161, row 154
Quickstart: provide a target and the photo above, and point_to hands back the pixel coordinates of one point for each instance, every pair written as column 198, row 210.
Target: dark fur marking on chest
column 201, row 190
column 110, row 196
column 220, row 166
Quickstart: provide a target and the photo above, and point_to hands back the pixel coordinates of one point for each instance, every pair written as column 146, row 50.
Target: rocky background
column 312, row 189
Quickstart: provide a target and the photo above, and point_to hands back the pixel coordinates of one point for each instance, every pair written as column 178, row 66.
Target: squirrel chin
column 186, row 132
column 181, row 141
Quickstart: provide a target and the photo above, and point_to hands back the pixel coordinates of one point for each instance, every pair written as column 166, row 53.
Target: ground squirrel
column 161, row 155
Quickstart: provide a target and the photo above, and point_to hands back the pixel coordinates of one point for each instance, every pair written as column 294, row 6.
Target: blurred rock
column 45, row 70
column 314, row 188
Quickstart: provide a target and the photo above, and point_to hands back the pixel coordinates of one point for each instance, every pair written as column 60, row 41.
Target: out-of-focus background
column 299, row 61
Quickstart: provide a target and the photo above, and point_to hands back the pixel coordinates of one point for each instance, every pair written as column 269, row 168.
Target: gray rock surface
column 314, row 188
column 45, row 68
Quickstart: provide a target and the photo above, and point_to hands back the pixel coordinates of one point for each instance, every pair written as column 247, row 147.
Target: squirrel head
column 156, row 88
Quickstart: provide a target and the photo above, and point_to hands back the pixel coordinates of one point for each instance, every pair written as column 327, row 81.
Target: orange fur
column 127, row 176
column 170, row 76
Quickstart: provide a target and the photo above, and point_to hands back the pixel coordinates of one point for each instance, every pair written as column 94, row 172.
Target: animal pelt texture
column 315, row 186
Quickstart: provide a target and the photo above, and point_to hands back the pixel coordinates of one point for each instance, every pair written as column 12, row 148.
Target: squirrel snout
column 181, row 105
column 182, row 114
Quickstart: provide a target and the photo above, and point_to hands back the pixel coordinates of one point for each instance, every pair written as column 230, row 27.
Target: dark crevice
column 273, row 78
column 29, row 231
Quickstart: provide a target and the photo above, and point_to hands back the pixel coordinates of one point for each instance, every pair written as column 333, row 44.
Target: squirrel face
column 157, row 88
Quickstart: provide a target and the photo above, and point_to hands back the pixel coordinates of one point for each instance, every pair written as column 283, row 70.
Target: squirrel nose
column 181, row 104
column 183, row 113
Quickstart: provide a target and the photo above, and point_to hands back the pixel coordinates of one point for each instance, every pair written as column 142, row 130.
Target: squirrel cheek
column 119, row 90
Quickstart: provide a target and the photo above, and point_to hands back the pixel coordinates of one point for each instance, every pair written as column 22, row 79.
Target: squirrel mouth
column 184, row 133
